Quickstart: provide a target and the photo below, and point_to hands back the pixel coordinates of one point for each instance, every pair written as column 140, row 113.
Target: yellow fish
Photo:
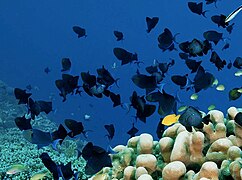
column 194, row 96
column 170, row 119
column 100, row 177
column 238, row 73
column 220, row 87
column 211, row 107
column 215, row 82
column 16, row 168
column 182, row 108
column 40, row 175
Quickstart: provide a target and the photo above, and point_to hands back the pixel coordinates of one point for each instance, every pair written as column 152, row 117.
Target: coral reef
column 212, row 152
column 14, row 149
column 9, row 108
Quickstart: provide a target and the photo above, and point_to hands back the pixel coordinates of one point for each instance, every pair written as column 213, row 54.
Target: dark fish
column 111, row 131
column 148, row 110
column 144, row 82
column 116, row 99
column 164, row 67
column 195, row 47
column 206, row 46
column 119, row 35
column 88, row 79
column 184, row 46
column 184, row 56
column 96, row 158
column 166, row 40
column 151, row 23
column 47, row 70
column 50, row 165
column 167, row 103
column 132, row 131
column 86, row 153
column 92, row 88
column 143, row 110
column 41, row 138
column 67, row 172
column 23, row 123
column 193, row 65
column 97, row 90
column 229, row 28
column 60, row 84
column 75, row 127
column 58, row 171
column 212, row 1
column 234, row 94
column 238, row 118
column 229, row 66
column 192, row 117
column 60, row 133
column 66, row 64
column 45, row 106
column 124, row 56
column 160, row 129
column 104, row 77
column 21, row 95
column 220, row 20
column 202, row 80
column 71, row 82
column 81, row 32
column 197, row 8
column 159, row 77
column 181, row 81
column 213, row 36
column 149, row 83
column 152, row 69
column 36, row 107
column 67, row 85
column 154, row 97
column 226, row 46
column 238, row 63
column 217, row 61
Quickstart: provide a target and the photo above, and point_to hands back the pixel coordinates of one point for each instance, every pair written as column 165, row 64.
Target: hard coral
column 212, row 152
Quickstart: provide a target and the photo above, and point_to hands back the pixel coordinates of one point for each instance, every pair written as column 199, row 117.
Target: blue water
column 36, row 35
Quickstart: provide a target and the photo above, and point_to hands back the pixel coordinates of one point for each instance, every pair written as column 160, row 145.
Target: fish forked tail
column 174, row 38
column 203, row 13
column 116, row 82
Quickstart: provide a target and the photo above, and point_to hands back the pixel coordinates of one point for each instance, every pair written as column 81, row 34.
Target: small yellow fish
column 16, row 168
column 211, row 107
column 194, row 96
column 220, row 87
column 40, row 175
column 170, row 119
column 100, row 177
column 182, row 108
column 238, row 73
column 240, row 90
column 215, row 82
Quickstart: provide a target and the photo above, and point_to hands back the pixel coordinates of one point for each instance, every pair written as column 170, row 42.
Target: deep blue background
column 36, row 35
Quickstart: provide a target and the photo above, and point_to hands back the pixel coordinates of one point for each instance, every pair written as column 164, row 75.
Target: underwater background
column 35, row 35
